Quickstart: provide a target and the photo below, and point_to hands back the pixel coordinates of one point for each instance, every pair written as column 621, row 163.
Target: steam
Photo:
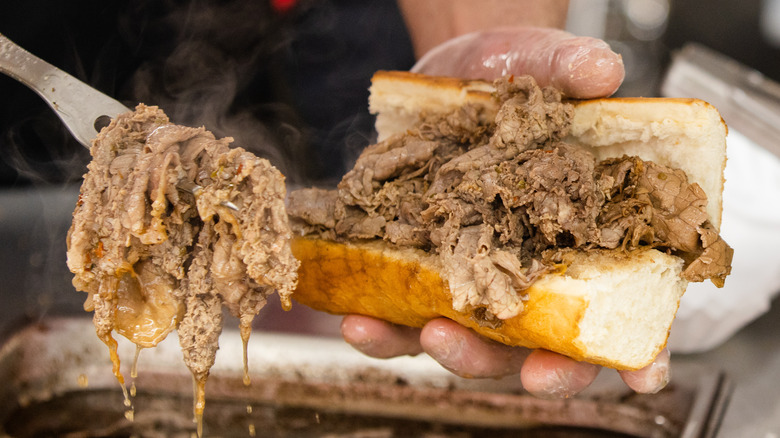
column 204, row 74
column 291, row 88
column 202, row 62
column 56, row 157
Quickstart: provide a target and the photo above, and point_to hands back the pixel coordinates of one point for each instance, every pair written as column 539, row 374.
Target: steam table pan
column 56, row 380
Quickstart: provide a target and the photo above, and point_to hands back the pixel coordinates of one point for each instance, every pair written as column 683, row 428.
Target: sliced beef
column 529, row 115
column 654, row 205
column 122, row 221
column 313, row 211
column 253, row 242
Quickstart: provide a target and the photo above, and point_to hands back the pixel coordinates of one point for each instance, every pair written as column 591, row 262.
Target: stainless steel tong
column 83, row 109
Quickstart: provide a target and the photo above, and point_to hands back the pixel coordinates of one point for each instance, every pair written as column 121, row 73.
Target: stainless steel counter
column 751, row 360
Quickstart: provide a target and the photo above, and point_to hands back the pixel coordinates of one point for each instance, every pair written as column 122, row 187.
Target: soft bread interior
column 397, row 98
column 631, row 303
column 687, row 134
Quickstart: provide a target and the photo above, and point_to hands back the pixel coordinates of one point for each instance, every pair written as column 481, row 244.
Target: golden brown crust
column 482, row 90
column 404, row 287
column 474, row 88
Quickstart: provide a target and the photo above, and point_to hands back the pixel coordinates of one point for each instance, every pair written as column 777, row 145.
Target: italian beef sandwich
column 573, row 226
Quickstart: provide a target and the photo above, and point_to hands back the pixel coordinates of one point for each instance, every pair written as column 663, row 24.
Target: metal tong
column 83, row 109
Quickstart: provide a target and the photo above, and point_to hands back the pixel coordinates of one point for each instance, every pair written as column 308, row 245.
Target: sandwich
column 541, row 222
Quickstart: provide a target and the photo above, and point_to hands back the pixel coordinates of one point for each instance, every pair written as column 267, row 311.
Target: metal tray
column 56, row 380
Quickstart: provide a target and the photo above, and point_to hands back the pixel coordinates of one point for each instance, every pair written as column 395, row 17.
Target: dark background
column 289, row 85
column 292, row 86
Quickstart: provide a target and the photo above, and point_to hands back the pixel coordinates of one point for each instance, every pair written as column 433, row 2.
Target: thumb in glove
column 581, row 67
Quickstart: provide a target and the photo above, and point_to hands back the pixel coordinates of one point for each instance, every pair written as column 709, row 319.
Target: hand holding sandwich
column 581, row 68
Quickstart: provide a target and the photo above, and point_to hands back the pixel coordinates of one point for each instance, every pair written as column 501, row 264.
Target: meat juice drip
column 286, row 303
column 112, row 350
column 114, row 355
column 134, row 370
column 140, row 301
column 199, row 401
column 252, row 431
column 246, row 331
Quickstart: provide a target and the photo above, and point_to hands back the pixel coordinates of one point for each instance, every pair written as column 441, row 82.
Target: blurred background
column 648, row 32
column 289, row 78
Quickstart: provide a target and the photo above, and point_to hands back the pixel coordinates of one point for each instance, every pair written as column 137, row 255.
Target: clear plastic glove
column 582, row 68
column 467, row 354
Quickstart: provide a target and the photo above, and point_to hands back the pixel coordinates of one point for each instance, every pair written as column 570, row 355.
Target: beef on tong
column 153, row 258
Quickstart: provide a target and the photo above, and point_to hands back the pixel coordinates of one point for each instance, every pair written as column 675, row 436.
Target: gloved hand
column 582, row 68
column 467, row 354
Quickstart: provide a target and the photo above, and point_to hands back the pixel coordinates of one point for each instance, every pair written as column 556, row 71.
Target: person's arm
column 432, row 22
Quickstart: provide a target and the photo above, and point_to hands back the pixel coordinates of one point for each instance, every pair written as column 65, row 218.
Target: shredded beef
column 498, row 200
column 133, row 218
column 654, row 205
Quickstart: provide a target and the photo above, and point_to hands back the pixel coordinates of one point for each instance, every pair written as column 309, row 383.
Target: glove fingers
column 550, row 375
column 585, row 68
column 651, row 378
column 467, row 354
column 381, row 339
column 581, row 67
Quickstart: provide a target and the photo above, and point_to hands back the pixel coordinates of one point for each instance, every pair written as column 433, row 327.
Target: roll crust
column 404, row 286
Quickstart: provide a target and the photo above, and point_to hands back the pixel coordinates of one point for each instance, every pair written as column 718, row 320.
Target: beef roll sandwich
column 573, row 226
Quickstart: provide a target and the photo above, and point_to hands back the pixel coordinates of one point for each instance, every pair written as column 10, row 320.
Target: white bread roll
column 606, row 307
column 688, row 134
